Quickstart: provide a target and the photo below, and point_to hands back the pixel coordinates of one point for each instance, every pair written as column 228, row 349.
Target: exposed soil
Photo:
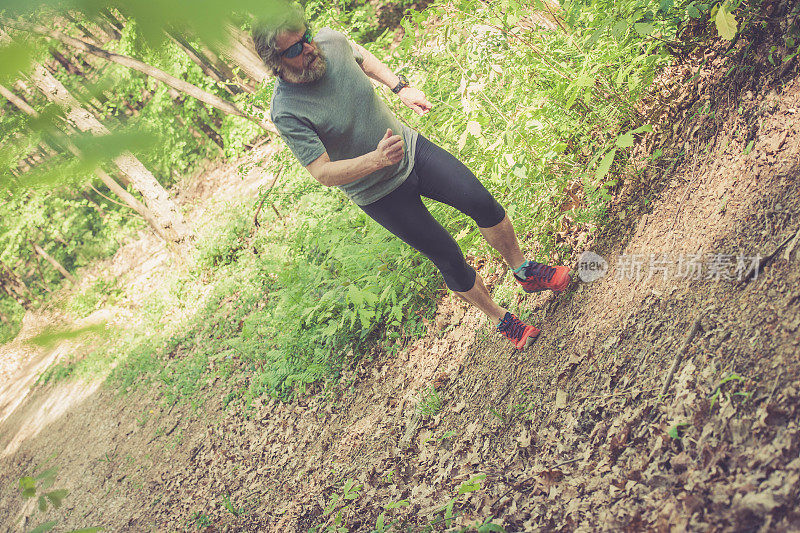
column 572, row 434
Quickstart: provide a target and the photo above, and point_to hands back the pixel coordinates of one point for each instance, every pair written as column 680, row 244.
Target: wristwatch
column 401, row 84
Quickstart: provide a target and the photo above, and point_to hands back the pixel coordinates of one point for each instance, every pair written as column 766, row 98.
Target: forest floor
column 571, row 434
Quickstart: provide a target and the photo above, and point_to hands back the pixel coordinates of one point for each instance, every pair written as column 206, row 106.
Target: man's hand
column 390, row 149
column 415, row 99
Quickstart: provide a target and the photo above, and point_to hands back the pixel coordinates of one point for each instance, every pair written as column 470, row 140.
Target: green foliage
column 719, row 391
column 51, row 336
column 100, row 293
column 200, row 520
column 37, row 487
column 221, row 244
column 332, row 513
column 429, row 403
column 380, row 524
column 13, row 312
column 676, row 430
column 471, row 485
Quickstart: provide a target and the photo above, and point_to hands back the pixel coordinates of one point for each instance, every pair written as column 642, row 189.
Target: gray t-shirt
column 341, row 114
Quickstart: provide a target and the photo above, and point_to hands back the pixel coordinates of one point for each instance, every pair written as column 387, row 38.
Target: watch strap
column 401, row 84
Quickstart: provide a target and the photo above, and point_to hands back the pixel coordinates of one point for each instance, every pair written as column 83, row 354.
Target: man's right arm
column 333, row 173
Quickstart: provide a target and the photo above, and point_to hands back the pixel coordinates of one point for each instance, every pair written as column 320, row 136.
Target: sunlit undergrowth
column 282, row 306
column 532, row 103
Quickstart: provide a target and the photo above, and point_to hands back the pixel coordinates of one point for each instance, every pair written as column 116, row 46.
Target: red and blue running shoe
column 536, row 277
column 520, row 333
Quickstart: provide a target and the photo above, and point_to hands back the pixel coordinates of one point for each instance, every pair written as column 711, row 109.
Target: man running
column 328, row 113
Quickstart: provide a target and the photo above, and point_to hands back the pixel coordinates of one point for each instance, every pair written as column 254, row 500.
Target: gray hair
column 265, row 32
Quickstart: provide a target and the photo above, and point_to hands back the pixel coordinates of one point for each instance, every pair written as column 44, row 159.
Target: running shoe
column 536, row 277
column 520, row 333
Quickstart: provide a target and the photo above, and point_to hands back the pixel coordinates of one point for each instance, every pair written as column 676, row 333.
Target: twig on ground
column 264, row 197
column 678, row 356
column 620, row 393
column 788, row 253
column 562, row 463
column 762, row 262
column 695, row 173
column 774, row 388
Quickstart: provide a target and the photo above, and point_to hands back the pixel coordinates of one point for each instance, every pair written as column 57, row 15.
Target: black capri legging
column 439, row 176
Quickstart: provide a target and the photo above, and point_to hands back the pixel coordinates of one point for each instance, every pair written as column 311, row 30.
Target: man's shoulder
column 329, row 34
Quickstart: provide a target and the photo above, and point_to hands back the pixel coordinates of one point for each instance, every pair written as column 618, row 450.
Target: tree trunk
column 240, row 49
column 112, row 18
column 192, row 90
column 97, row 207
column 223, row 68
column 72, row 69
column 18, row 101
column 86, row 31
column 108, row 26
column 210, row 132
column 50, row 259
column 14, row 286
column 203, row 62
column 169, row 221
column 140, row 208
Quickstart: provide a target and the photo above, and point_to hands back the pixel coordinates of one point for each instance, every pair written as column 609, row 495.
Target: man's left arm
column 375, row 69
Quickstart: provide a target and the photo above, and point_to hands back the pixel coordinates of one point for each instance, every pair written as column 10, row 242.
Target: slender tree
column 240, row 49
column 66, row 63
column 184, row 86
column 109, row 181
column 205, row 64
column 169, row 220
column 14, row 286
column 55, row 264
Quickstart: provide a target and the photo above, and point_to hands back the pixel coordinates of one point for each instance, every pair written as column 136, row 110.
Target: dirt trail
column 571, row 434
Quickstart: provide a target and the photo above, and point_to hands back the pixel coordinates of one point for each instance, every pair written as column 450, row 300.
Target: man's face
column 306, row 67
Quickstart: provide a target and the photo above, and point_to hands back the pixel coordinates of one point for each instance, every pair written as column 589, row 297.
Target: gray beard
column 307, row 75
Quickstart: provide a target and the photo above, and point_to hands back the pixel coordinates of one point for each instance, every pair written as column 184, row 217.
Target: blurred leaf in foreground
column 51, row 336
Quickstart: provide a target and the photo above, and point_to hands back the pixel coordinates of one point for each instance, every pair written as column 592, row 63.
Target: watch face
column 400, row 84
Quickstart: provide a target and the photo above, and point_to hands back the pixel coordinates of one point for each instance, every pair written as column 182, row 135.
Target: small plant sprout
column 715, row 394
column 429, row 403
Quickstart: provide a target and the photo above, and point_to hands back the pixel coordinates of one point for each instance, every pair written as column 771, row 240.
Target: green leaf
column 605, row 164
column 14, row 58
column 625, row 140
column 355, row 295
column 87, row 530
column 47, row 526
column 676, row 431
column 726, row 23
column 397, row 504
column 48, row 477
column 52, row 336
column 57, row 496
column 448, row 512
column 26, row 483
column 641, row 129
column 692, row 11
column 644, row 28
column 474, row 128
column 585, row 80
column 472, row 485
column 42, row 503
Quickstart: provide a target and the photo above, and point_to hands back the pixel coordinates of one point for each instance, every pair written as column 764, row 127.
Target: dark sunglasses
column 297, row 48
